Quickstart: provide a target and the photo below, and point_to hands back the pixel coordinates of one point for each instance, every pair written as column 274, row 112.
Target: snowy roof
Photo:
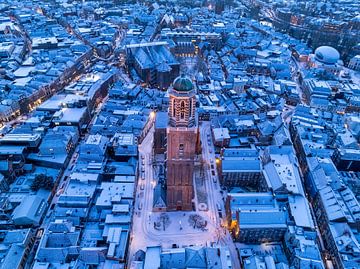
column 327, row 55
column 29, row 211
column 152, row 257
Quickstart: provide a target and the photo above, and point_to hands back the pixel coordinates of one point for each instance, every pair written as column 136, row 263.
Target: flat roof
column 152, row 257
column 72, row 114
column 112, row 192
column 84, row 177
column 5, row 150
column 125, row 139
column 146, row 44
column 20, row 137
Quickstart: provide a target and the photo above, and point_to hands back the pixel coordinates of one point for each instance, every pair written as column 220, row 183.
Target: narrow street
column 215, row 198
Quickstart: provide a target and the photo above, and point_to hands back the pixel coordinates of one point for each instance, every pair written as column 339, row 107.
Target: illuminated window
column 190, row 111
column 181, row 149
column 174, row 109
column 182, row 110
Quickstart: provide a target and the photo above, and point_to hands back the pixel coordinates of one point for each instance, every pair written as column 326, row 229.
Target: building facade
column 182, row 137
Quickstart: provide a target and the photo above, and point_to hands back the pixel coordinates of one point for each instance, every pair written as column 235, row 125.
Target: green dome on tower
column 183, row 84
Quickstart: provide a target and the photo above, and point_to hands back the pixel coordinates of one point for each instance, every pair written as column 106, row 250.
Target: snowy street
column 179, row 232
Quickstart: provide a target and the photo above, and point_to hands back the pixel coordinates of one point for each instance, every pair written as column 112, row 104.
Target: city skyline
column 207, row 134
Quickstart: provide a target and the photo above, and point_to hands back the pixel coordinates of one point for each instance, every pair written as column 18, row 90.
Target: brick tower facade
column 182, row 137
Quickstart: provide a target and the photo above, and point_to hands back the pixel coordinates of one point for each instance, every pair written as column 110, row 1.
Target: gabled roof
column 159, row 197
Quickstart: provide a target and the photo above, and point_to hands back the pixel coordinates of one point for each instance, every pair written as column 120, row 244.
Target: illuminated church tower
column 182, row 140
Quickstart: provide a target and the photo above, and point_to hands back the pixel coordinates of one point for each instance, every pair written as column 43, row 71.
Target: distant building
column 188, row 42
column 79, row 192
column 314, row 89
column 78, row 117
column 219, row 6
column 221, row 137
column 59, row 244
column 94, row 148
column 261, row 262
column 255, row 217
column 355, row 63
column 242, row 168
column 123, row 146
column 326, row 58
column 343, row 245
column 189, row 257
column 281, row 170
column 347, row 159
column 15, row 248
column 153, row 62
column 30, row 212
column 302, row 249
column 54, row 150
column 29, row 140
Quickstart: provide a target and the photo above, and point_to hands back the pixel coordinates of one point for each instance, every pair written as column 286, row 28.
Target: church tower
column 182, row 137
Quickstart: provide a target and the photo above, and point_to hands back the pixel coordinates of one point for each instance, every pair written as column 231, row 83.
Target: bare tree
column 165, row 220
column 196, row 221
